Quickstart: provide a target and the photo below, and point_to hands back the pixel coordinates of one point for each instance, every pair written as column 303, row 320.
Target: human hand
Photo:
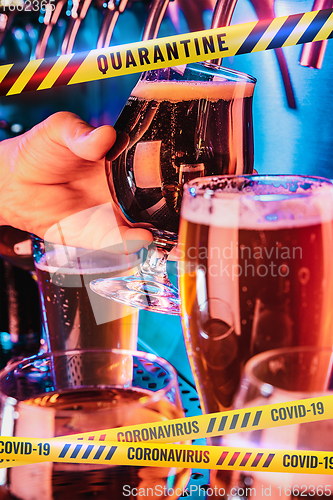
column 53, row 184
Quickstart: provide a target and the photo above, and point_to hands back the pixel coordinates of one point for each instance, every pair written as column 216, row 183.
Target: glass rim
column 238, row 76
column 203, row 187
column 127, row 352
column 248, row 374
column 118, row 262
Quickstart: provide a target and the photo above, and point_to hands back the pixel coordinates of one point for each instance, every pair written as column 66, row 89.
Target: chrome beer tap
column 223, row 12
column 222, row 15
column 116, row 7
column 50, row 20
column 154, row 19
column 312, row 54
column 113, row 10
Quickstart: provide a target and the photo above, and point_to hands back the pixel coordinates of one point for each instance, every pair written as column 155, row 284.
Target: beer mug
column 74, row 317
column 282, row 376
column 298, row 134
column 263, row 245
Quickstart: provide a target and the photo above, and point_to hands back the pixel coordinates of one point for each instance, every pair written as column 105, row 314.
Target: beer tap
column 116, row 7
column 154, row 19
column 312, row 54
column 264, row 10
column 113, row 10
column 222, row 15
column 78, row 13
column 6, row 20
column 50, row 20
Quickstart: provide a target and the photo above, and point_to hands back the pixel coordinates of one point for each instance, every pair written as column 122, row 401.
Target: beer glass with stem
column 70, row 392
column 178, row 124
column 263, row 245
column 281, row 376
column 73, row 316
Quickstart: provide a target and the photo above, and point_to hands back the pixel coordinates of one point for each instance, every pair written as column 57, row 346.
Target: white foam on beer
column 177, row 91
column 243, row 211
column 51, row 263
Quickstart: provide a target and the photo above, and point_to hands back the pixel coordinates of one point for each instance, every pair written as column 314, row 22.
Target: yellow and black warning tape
column 165, row 455
column 176, row 50
column 133, row 443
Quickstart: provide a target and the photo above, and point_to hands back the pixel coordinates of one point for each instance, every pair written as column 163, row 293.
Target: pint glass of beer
column 263, row 245
column 74, row 317
column 275, row 377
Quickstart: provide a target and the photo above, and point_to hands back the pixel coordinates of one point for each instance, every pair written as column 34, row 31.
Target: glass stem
column 155, row 264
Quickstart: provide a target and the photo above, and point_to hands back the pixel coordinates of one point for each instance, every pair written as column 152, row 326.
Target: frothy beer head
column 258, row 202
column 178, row 91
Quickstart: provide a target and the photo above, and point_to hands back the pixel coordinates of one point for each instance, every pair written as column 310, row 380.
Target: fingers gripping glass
column 177, row 125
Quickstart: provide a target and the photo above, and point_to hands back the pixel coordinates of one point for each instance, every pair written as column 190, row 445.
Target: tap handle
column 113, row 10
column 222, row 15
column 154, row 19
column 79, row 11
column 50, row 20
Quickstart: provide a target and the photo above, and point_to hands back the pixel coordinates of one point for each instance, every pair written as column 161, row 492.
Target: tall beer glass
column 263, row 245
column 70, row 392
column 275, row 377
column 178, row 124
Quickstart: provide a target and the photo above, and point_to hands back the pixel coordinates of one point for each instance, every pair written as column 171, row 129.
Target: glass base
column 138, row 291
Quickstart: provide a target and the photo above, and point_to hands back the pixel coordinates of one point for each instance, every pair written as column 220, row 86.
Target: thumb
column 85, row 141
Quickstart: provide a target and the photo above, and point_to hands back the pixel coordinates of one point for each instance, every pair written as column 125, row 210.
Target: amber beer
column 268, row 257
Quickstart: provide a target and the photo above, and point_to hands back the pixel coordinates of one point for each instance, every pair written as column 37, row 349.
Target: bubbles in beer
column 202, row 128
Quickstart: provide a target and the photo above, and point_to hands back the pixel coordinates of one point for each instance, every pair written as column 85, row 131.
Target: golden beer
column 262, row 245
